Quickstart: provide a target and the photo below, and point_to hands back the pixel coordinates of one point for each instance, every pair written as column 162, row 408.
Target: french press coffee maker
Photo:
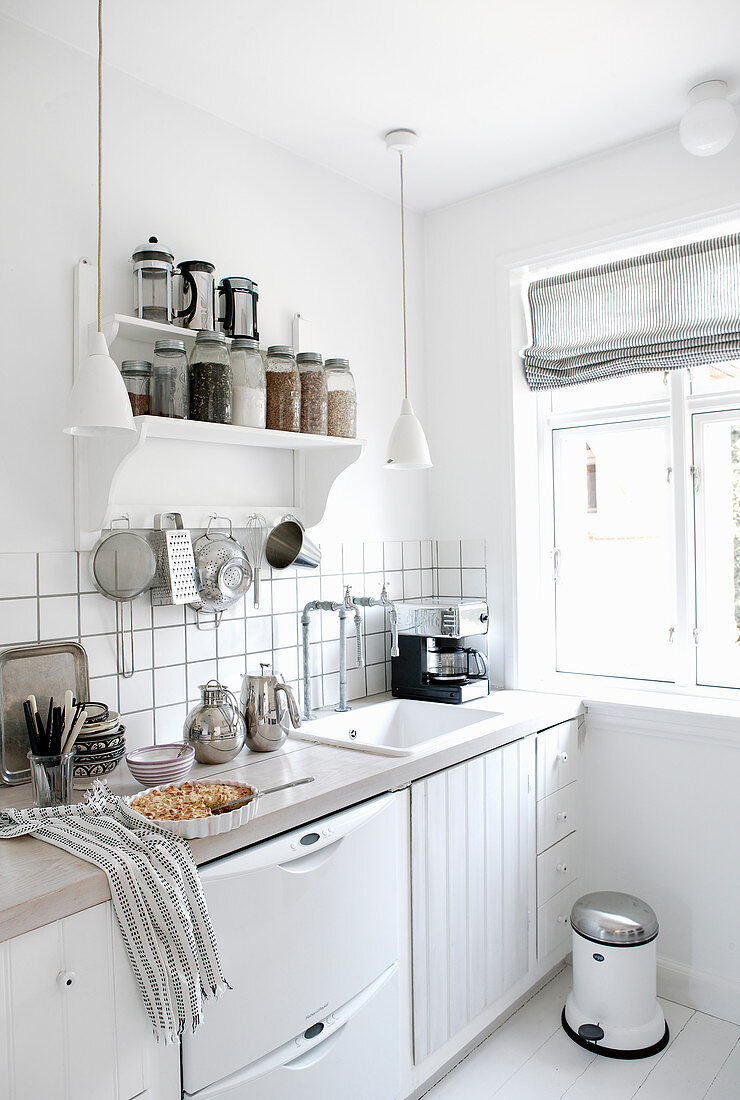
column 153, row 269
column 195, row 291
column 237, row 306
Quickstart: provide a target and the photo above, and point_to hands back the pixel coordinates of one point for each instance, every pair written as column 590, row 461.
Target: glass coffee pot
column 153, row 269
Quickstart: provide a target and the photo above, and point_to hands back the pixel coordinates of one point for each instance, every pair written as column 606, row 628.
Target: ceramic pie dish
column 193, row 828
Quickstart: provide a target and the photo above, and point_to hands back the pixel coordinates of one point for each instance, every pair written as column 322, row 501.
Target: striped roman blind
column 663, row 310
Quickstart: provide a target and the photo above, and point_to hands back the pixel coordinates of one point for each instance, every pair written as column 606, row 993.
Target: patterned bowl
column 95, row 765
column 158, row 765
column 95, row 744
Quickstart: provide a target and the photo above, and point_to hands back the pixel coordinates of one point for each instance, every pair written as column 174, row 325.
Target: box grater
column 176, row 580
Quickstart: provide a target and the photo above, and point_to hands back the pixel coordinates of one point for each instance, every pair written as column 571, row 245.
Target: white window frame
column 680, row 409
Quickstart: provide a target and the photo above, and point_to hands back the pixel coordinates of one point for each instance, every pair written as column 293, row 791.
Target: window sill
column 667, row 712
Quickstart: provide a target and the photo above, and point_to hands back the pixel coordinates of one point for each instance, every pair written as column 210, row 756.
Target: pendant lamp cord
column 100, row 158
column 403, row 284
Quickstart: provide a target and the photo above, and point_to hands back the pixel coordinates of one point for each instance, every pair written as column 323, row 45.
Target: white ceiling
column 497, row 91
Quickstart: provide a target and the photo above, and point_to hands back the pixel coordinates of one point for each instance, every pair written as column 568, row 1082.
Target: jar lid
column 152, row 250
column 136, row 366
column 245, row 342
column 281, row 349
column 309, row 357
column 607, row 916
column 337, row 364
column 238, row 282
column 207, row 336
column 169, row 345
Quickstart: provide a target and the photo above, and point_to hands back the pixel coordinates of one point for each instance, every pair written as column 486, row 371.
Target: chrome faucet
column 324, row 605
column 370, row 601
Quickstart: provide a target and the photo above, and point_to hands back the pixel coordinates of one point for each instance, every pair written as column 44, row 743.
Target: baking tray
column 44, row 671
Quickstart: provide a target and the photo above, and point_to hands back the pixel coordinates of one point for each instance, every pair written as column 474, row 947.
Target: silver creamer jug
column 269, row 708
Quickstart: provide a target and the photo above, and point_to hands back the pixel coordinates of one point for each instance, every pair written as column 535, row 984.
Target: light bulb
column 710, row 123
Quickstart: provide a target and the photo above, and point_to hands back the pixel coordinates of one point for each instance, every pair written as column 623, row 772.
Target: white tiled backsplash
column 47, row 597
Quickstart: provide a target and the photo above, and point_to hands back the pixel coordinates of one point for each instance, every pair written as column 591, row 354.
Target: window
column 640, row 494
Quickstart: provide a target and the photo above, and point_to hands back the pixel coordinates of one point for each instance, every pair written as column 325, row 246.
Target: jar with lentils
column 210, row 379
column 314, row 402
column 283, row 390
column 342, row 398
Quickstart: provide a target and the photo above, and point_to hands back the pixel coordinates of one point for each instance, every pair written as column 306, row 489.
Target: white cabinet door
column 472, row 844
column 72, row 1022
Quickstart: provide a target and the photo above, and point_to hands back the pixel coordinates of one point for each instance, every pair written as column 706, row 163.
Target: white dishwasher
column 307, row 925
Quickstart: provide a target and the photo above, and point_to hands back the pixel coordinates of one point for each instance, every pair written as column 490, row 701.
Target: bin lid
column 607, row 916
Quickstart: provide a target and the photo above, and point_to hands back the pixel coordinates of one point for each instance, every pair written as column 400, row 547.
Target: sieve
column 122, row 567
column 222, row 569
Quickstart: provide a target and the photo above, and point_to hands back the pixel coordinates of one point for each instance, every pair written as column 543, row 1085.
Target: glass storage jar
column 210, row 379
column 342, row 398
column 137, row 375
column 249, row 386
column 169, row 391
column 314, row 409
column 153, row 269
column 283, row 390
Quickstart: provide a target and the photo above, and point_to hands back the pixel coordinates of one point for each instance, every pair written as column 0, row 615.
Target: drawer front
column 557, row 868
column 557, row 750
column 553, row 922
column 556, row 817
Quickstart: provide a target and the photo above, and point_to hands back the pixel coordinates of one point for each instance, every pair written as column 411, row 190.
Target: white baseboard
column 699, row 989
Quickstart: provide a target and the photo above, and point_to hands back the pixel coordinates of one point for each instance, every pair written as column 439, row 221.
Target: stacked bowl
column 100, row 746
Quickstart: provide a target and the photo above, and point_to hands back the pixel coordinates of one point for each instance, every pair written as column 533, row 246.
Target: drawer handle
column 563, row 757
column 66, row 979
column 562, row 918
column 562, row 868
column 562, row 816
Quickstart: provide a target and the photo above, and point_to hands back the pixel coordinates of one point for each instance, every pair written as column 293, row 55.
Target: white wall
column 316, row 243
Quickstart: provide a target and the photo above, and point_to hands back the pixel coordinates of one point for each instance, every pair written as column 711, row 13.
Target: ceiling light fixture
column 407, row 446
column 99, row 403
column 710, row 123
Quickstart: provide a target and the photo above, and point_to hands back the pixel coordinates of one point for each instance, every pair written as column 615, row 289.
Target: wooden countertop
column 40, row 883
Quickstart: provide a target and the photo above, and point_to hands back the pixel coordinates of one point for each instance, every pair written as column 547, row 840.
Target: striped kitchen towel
column 157, row 898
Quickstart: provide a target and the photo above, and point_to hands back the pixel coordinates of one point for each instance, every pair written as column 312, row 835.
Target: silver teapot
column 270, row 710
column 214, row 727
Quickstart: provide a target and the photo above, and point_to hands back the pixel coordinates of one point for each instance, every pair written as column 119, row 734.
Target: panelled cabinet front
column 71, row 1021
column 472, row 843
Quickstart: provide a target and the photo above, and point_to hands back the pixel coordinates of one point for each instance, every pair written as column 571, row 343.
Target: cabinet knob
column 66, row 979
column 562, row 816
column 562, row 918
column 562, row 868
column 563, row 757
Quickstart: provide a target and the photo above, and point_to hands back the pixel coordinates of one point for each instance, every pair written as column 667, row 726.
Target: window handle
column 555, row 564
column 671, row 633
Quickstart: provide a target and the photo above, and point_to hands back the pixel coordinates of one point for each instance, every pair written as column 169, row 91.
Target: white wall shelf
column 188, row 466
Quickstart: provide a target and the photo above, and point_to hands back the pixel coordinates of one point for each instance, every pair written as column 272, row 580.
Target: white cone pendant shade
column 99, row 403
column 407, row 447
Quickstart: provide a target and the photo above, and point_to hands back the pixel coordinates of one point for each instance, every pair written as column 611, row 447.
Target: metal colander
column 222, row 568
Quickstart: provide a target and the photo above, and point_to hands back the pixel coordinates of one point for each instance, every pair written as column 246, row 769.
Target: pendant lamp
column 407, row 447
column 99, row 403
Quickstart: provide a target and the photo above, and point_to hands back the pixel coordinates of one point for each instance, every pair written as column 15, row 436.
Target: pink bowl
column 158, row 765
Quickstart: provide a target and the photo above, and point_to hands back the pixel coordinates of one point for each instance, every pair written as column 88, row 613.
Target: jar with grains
column 137, row 374
column 210, row 379
column 314, row 407
column 170, row 384
column 283, row 390
column 249, row 387
column 342, row 398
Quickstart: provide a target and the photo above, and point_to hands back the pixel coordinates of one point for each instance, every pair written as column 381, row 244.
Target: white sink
column 398, row 727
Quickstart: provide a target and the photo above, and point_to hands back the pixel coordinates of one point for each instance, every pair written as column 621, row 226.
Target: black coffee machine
column 433, row 661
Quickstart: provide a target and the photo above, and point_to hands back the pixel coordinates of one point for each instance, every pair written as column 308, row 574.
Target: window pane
column 717, row 439
column 649, row 386
column 615, row 589
column 716, row 377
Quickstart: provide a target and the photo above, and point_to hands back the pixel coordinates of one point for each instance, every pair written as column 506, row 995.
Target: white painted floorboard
column 531, row 1058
